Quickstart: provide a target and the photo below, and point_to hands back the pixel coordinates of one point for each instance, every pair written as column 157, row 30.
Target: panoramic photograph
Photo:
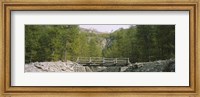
column 99, row 48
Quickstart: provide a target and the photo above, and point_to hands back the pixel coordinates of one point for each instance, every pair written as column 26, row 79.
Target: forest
column 139, row 43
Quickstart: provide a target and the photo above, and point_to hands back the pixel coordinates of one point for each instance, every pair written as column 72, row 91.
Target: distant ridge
column 91, row 31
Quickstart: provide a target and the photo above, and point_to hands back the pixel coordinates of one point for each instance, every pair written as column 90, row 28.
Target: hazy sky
column 104, row 28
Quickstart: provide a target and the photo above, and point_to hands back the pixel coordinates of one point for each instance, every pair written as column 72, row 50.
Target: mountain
column 91, row 31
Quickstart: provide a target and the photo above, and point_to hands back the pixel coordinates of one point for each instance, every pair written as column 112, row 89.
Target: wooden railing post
column 128, row 60
column 77, row 59
column 90, row 60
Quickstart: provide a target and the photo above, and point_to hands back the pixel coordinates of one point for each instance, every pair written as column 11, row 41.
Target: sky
column 104, row 28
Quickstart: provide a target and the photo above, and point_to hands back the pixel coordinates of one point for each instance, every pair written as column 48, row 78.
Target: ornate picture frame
column 189, row 91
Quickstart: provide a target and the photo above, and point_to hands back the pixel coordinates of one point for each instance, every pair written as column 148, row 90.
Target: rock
column 124, row 68
column 112, row 69
column 54, row 67
column 97, row 68
column 88, row 69
column 156, row 66
column 79, row 69
column 69, row 66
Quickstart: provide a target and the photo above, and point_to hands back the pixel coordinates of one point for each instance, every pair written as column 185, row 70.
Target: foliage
column 67, row 42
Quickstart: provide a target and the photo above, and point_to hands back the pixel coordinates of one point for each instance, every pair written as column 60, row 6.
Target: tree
column 94, row 49
column 67, row 42
column 144, row 39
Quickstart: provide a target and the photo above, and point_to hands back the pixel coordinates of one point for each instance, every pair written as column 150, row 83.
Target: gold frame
column 7, row 7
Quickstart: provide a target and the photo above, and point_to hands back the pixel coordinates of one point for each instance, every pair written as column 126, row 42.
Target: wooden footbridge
column 101, row 61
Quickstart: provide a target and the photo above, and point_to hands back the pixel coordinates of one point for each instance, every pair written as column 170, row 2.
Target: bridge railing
column 102, row 61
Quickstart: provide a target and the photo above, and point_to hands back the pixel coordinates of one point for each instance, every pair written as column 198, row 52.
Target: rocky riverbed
column 69, row 66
